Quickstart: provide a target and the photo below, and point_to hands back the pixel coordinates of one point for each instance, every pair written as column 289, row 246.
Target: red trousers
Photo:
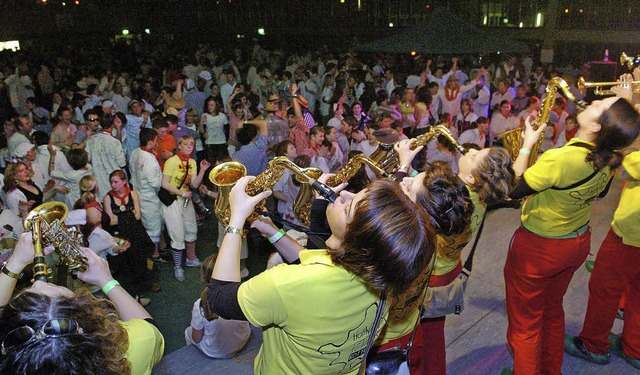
column 537, row 274
column 615, row 273
column 434, row 356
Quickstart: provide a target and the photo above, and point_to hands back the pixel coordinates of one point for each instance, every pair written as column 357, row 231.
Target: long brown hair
column 389, row 241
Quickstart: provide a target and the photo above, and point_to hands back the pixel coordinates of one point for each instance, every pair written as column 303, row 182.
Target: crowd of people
column 131, row 146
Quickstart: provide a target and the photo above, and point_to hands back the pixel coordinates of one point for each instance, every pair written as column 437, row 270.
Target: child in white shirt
column 214, row 336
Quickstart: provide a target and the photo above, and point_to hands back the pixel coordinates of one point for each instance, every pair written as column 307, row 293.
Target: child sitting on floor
column 214, row 336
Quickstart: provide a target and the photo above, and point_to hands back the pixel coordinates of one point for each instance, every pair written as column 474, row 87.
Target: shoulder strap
column 372, row 334
column 468, row 264
column 584, row 180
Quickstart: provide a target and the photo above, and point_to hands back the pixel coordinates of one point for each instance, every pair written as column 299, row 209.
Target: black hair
column 246, row 134
column 147, row 135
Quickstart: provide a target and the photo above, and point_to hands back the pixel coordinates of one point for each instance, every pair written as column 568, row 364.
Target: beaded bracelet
column 106, row 288
column 277, row 236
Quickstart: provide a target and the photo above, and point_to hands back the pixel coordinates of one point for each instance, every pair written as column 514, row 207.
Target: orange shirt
column 168, row 143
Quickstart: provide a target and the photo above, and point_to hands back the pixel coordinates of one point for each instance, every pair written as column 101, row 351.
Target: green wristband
column 277, row 236
column 106, row 288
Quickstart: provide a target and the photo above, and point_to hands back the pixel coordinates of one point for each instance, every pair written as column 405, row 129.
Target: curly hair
column 390, row 239
column 620, row 125
column 494, row 176
column 99, row 349
column 446, row 199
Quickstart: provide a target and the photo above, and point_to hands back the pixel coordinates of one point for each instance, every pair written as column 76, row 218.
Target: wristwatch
column 12, row 275
column 234, row 230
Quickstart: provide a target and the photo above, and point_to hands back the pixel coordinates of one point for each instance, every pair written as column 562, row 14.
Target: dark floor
column 171, row 307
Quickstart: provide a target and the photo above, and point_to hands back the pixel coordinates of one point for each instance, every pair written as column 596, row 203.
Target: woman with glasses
column 48, row 329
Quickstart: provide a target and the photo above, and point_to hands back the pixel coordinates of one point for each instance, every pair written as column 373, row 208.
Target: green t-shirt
column 553, row 212
column 316, row 316
column 626, row 219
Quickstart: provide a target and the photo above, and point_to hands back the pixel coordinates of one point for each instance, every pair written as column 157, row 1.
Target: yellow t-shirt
column 176, row 168
column 146, row 346
column 552, row 212
column 316, row 317
column 626, row 219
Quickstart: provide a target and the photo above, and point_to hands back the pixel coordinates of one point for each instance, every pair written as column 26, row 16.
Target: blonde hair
column 89, row 190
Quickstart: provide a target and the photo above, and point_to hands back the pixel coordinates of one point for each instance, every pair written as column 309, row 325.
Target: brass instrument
column 387, row 158
column 227, row 174
column 46, row 223
column 583, row 85
column 512, row 139
column 304, row 199
column 630, row 61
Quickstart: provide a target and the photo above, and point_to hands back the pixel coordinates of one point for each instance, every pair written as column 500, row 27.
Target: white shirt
column 222, row 338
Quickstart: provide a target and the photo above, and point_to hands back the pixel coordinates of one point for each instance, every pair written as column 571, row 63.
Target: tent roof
column 443, row 33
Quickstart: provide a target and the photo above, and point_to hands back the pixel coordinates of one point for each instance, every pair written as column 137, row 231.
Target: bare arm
column 530, row 139
column 106, row 206
column 98, row 274
column 286, row 246
column 136, row 205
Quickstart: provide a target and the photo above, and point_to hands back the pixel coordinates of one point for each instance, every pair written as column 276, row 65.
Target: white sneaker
column 195, row 262
column 178, row 273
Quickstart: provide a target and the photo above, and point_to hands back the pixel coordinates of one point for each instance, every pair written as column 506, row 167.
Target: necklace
column 451, row 95
column 121, row 198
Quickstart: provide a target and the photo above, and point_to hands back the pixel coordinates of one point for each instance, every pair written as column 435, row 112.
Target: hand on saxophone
column 242, row 205
column 23, row 254
column 324, row 177
column 530, row 136
column 405, row 153
column 98, row 272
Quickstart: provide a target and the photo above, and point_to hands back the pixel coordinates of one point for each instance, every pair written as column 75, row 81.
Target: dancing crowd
column 127, row 143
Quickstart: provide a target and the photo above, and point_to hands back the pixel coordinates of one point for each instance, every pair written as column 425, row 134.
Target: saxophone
column 304, row 199
column 512, row 139
column 225, row 176
column 389, row 161
column 46, row 223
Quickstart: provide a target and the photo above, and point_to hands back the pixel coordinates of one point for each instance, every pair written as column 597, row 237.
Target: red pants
column 616, row 273
column 537, row 274
column 434, row 356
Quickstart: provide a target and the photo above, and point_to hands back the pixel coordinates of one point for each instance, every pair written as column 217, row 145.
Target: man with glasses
column 92, row 125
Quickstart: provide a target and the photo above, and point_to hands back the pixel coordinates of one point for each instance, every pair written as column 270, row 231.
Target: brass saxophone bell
column 46, row 223
column 48, row 212
column 225, row 176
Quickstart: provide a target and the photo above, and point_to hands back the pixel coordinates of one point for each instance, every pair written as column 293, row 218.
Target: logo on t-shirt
column 348, row 354
column 585, row 198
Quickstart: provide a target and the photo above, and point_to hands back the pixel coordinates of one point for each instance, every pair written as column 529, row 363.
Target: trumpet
column 583, row 85
column 227, row 174
column 46, row 223
column 630, row 61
